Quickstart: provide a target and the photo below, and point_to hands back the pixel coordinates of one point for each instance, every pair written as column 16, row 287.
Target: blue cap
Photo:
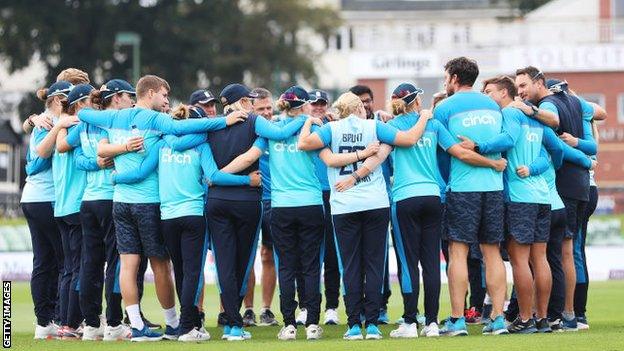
column 201, row 96
column 296, row 96
column 196, row 112
column 406, row 92
column 115, row 86
column 79, row 93
column 318, row 95
column 62, row 87
column 556, row 85
column 234, row 92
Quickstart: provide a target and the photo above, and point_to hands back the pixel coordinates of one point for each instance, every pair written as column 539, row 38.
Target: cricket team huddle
column 117, row 179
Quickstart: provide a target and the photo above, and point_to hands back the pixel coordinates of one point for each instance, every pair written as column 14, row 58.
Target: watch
column 535, row 110
column 477, row 149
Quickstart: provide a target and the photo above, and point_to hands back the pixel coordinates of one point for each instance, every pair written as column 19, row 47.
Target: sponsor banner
column 394, row 64
column 562, row 58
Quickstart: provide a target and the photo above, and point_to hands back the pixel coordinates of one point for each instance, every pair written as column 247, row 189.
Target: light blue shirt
column 69, row 182
column 182, row 176
column 527, row 147
column 478, row 117
column 150, row 125
column 416, row 168
column 39, row 185
column 99, row 185
column 293, row 175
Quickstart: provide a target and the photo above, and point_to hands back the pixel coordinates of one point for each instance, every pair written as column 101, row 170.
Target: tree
column 191, row 43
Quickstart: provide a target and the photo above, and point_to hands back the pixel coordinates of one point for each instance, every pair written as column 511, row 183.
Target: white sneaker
column 194, row 336
column 313, row 332
column 50, row 331
column 288, row 332
column 405, row 331
column 431, row 330
column 93, row 333
column 118, row 333
column 103, row 321
column 302, row 317
column 331, row 317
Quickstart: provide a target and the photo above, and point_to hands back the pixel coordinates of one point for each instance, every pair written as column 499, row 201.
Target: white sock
column 171, row 318
column 134, row 314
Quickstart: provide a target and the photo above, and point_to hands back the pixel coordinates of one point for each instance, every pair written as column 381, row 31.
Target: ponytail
column 42, row 94
column 398, row 107
column 98, row 101
column 181, row 112
column 282, row 105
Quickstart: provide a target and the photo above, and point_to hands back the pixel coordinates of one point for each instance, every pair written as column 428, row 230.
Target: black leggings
column 580, row 260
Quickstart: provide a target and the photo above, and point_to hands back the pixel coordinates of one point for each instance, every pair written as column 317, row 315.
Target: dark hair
column 533, row 72
column 98, row 100
column 361, row 89
column 464, row 68
column 503, row 82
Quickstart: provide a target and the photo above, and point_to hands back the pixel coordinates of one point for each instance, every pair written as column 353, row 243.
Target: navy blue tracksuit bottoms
column 297, row 238
column 362, row 247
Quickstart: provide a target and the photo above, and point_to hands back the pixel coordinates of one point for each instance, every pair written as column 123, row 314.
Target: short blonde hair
column 347, row 104
column 150, row 82
column 74, row 76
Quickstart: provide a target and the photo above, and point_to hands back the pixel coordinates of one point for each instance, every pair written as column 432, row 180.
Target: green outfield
column 606, row 314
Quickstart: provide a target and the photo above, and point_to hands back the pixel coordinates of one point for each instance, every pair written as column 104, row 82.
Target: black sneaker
column 543, row 326
column 555, row 325
column 202, row 320
column 520, row 327
column 222, row 319
column 149, row 324
column 267, row 318
column 249, row 318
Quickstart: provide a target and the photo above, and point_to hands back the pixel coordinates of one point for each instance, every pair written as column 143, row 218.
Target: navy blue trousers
column 99, row 250
column 187, row 245
column 234, row 227
column 416, row 232
column 297, row 238
column 48, row 259
column 362, row 247
column 71, row 237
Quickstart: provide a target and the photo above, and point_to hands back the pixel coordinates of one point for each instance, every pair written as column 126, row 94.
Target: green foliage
column 191, row 43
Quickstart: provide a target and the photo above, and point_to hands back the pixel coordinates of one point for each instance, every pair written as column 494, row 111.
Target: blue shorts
column 575, row 215
column 137, row 227
column 267, row 239
column 475, row 217
column 528, row 223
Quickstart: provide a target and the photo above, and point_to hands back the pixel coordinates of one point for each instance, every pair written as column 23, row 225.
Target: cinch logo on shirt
column 424, row 142
column 84, row 138
column 532, row 137
column 281, row 147
column 181, row 159
column 473, row 120
column 351, row 138
column 118, row 139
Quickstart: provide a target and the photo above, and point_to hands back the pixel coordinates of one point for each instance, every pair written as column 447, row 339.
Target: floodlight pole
column 133, row 39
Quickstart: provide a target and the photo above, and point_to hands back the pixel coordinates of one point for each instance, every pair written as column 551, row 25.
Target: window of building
column 617, row 13
column 620, row 108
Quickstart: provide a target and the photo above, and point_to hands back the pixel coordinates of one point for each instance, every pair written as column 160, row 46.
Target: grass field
column 606, row 314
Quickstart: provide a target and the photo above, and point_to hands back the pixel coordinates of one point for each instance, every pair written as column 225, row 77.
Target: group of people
column 116, row 178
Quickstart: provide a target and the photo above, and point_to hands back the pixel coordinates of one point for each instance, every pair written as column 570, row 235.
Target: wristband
column 357, row 155
column 356, row 176
column 126, row 146
column 30, row 122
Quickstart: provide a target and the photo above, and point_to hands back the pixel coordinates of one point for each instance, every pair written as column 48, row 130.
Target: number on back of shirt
column 348, row 169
